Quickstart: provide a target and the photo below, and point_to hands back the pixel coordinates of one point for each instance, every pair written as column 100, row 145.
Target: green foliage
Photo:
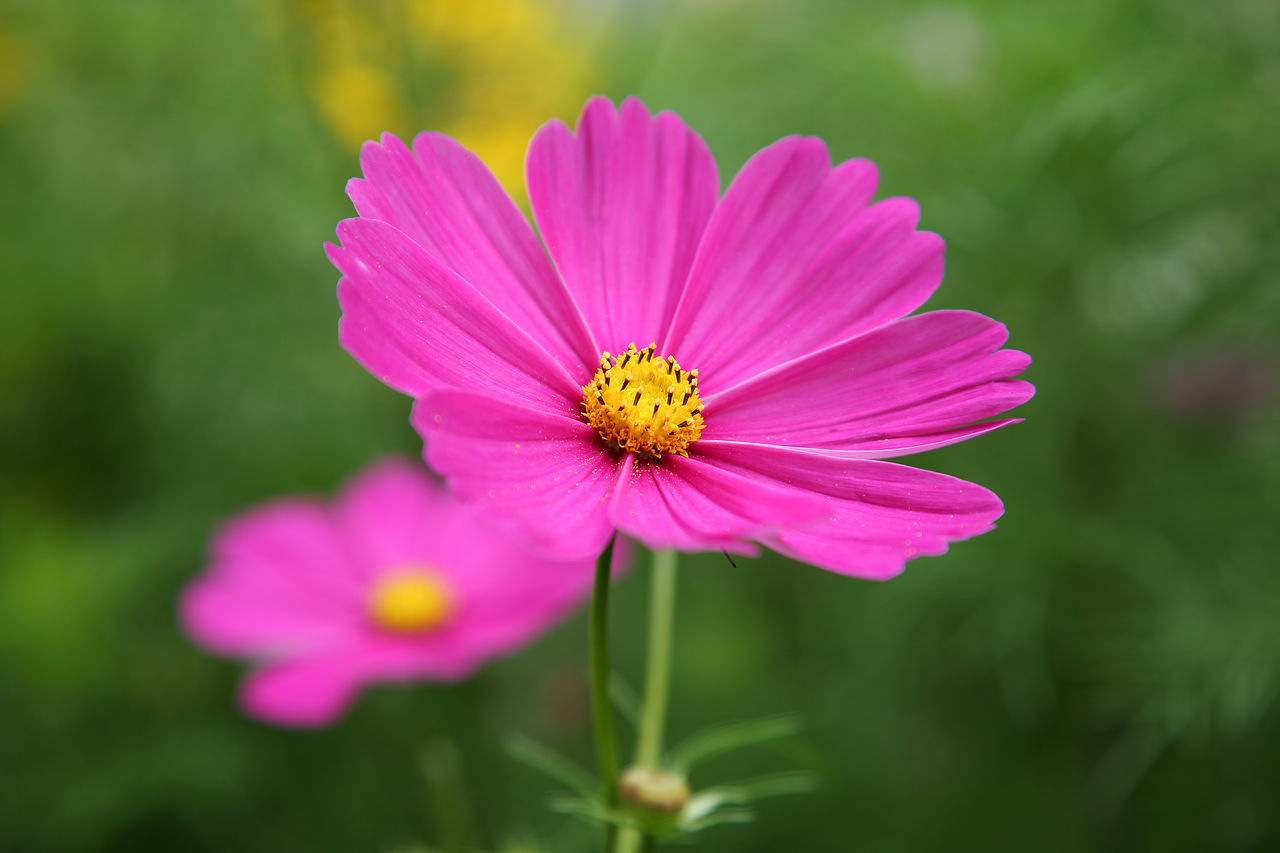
column 704, row 809
column 1100, row 673
column 729, row 737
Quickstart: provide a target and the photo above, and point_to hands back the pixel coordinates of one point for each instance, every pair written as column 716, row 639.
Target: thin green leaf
column 590, row 810
column 702, row 804
column 727, row 737
column 774, row 785
column 625, row 699
column 722, row 817
column 533, row 754
column 707, row 803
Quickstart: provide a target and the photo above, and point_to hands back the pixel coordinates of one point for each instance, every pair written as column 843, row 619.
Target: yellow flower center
column 643, row 403
column 410, row 601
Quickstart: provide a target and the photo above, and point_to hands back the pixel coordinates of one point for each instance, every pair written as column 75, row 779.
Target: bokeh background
column 1100, row 673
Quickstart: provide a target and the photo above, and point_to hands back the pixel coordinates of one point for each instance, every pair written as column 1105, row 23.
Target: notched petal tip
column 632, row 104
column 931, row 243
column 390, row 140
column 433, row 138
column 796, row 145
column 373, row 150
column 1018, row 360
column 433, row 150
column 595, row 105
column 859, row 172
column 901, row 209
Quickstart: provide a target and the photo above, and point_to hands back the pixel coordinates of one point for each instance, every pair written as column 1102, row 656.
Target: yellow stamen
column 410, row 601
column 644, row 403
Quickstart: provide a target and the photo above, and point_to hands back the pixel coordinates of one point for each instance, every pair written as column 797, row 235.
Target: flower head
column 697, row 371
column 395, row 581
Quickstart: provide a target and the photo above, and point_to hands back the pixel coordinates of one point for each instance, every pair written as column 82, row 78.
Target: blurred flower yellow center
column 410, row 601
column 643, row 403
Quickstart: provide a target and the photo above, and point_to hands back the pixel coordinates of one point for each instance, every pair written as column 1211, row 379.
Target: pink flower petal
column 235, row 618
column 279, row 580
column 397, row 516
column 510, row 618
column 420, row 326
column 550, row 472
column 784, row 207
column 879, row 268
column 899, row 387
column 691, row 505
column 290, row 587
column 888, row 448
column 392, row 514
column 504, row 596
column 448, row 202
column 883, row 513
column 268, row 545
column 306, row 693
column 397, row 512
column 622, row 204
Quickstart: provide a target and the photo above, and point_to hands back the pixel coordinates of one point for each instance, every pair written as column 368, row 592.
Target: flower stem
column 601, row 709
column 657, row 680
column 657, row 676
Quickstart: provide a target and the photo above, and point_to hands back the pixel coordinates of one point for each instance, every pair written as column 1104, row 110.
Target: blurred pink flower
column 784, row 367
column 396, row 581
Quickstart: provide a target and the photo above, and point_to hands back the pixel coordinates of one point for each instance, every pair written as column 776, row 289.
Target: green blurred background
column 1100, row 673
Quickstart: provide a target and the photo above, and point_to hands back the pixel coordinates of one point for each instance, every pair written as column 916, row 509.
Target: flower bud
column 653, row 793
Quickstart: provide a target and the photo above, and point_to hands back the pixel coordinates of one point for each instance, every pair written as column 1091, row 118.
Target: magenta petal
column 693, row 505
column 784, row 207
column 868, row 557
column 884, row 513
column 888, row 448
column 306, row 693
column 286, row 542
column 549, row 472
column 280, row 581
column 879, row 268
column 901, row 386
column 291, row 584
column 622, row 205
column 234, row 618
column 419, row 326
column 514, row 612
column 447, row 201
column 381, row 515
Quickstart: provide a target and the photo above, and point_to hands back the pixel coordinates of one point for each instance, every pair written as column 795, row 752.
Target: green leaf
column 533, row 754
column 727, row 737
column 773, row 785
column 590, row 810
column 703, row 804
column 721, row 817
column 625, row 699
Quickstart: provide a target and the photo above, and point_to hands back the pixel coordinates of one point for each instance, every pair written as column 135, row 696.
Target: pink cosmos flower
column 782, row 368
column 395, row 581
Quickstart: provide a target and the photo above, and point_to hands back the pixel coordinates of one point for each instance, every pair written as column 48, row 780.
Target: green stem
column 441, row 767
column 601, row 709
column 657, row 677
column 657, row 680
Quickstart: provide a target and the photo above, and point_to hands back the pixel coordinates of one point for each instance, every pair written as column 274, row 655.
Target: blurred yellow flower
column 486, row 72
column 355, row 98
column 15, row 61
